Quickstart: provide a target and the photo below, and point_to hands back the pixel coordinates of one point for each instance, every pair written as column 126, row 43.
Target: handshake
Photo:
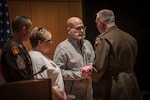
column 86, row 71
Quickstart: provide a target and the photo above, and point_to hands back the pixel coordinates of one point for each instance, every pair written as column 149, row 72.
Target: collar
column 109, row 29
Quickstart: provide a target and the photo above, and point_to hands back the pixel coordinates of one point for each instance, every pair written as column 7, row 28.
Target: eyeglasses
column 80, row 28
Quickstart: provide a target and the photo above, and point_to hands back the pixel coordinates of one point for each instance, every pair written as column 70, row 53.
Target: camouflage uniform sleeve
column 14, row 64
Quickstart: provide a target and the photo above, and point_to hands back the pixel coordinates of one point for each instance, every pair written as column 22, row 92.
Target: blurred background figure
column 15, row 60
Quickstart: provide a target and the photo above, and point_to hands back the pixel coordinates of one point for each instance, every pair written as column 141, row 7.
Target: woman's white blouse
column 53, row 71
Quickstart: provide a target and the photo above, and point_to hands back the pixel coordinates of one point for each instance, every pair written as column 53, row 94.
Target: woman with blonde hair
column 41, row 42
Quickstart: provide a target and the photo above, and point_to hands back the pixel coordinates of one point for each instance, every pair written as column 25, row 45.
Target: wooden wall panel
column 49, row 14
column 75, row 9
column 52, row 16
column 20, row 8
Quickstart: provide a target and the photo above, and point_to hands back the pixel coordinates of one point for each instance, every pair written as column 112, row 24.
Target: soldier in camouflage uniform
column 15, row 61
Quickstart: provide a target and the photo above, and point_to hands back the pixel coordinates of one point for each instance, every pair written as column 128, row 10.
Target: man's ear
column 102, row 23
column 24, row 29
column 68, row 30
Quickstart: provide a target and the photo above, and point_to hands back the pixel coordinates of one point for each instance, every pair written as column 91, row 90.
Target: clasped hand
column 86, row 71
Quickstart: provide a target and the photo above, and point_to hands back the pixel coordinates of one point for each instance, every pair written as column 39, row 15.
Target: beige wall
column 50, row 14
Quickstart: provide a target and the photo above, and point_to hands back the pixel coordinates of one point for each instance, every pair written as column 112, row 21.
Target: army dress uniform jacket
column 15, row 61
column 115, row 58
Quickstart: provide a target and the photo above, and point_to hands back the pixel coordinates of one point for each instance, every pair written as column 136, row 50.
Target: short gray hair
column 106, row 15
